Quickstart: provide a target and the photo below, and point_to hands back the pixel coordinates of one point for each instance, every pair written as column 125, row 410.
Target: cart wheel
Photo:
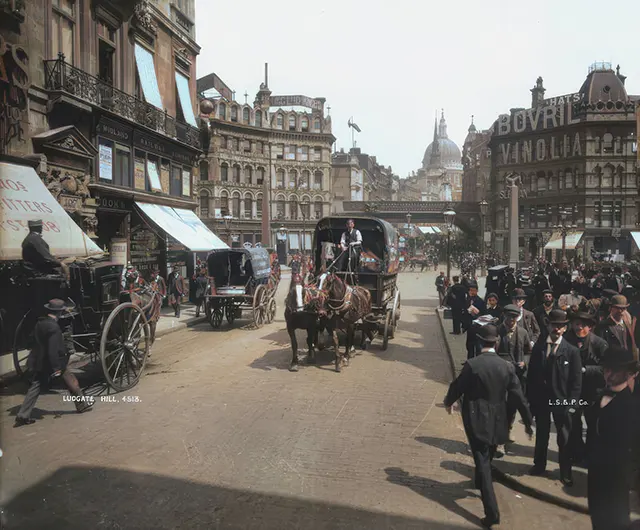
column 386, row 333
column 271, row 310
column 395, row 315
column 217, row 314
column 22, row 344
column 259, row 306
column 231, row 312
column 124, row 346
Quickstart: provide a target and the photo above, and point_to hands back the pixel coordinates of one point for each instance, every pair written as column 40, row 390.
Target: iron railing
column 62, row 76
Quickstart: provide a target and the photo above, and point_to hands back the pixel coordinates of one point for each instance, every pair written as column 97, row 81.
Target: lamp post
column 484, row 206
column 227, row 219
column 303, row 209
column 564, row 228
column 449, row 217
column 409, row 232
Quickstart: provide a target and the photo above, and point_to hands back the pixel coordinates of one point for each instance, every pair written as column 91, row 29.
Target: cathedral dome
column 447, row 155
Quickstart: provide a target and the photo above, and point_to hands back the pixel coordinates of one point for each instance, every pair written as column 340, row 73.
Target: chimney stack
column 266, row 75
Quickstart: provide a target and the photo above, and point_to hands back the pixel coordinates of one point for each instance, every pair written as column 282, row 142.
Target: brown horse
column 347, row 305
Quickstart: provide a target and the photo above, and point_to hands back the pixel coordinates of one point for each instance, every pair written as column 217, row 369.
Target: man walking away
column 554, row 383
column 485, row 381
column 441, row 287
column 176, row 290
column 613, row 443
column 48, row 360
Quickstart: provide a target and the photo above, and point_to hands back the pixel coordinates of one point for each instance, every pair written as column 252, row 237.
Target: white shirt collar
column 549, row 341
column 488, row 350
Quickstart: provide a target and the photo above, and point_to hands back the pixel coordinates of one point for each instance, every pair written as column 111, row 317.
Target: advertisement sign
column 119, row 250
column 24, row 198
column 139, row 174
column 295, row 101
column 106, row 162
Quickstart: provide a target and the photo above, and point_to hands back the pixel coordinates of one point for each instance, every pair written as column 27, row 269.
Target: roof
column 603, row 84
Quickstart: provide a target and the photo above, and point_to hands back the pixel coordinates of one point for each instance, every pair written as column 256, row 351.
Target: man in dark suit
column 175, row 285
column 493, row 306
column 485, row 381
column 542, row 311
column 526, row 319
column 616, row 329
column 457, row 301
column 554, row 383
column 592, row 349
column 36, row 255
column 476, row 308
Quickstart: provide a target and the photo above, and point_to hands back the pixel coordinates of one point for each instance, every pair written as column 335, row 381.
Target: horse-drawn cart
column 241, row 279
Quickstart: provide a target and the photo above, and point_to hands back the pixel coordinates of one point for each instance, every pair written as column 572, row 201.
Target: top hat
column 616, row 357
column 37, row 223
column 55, row 305
column 558, row 316
column 519, row 294
column 619, row 301
column 488, row 334
column 512, row 310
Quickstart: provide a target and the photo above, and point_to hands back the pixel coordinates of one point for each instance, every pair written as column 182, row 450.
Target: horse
column 347, row 305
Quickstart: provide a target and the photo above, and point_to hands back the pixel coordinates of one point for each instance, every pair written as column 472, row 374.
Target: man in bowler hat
column 554, row 384
column 614, row 443
column 48, row 361
column 485, row 382
column 618, row 328
column 526, row 319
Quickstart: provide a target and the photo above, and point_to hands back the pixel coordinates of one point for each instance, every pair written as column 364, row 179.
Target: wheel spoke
column 134, row 326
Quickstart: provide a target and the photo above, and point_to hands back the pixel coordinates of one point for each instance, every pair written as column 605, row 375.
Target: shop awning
column 571, row 242
column 24, row 198
column 430, row 230
column 184, row 226
column 636, row 238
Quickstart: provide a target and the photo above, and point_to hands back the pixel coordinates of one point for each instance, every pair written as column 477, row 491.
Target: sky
column 391, row 64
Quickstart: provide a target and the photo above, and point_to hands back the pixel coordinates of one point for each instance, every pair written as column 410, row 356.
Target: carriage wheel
column 395, row 315
column 21, row 344
column 259, row 306
column 231, row 312
column 216, row 312
column 271, row 310
column 124, row 346
column 386, row 333
column 207, row 309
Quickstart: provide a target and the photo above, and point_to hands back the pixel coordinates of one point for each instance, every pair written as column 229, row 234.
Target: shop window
column 260, row 176
column 245, row 115
column 123, row 167
column 153, row 175
column 258, row 118
column 63, row 28
column 175, row 187
column 105, row 168
column 224, row 204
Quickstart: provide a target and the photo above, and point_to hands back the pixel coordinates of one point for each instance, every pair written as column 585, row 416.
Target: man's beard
column 548, row 303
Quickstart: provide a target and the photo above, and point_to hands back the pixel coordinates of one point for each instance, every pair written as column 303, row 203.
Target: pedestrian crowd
column 559, row 347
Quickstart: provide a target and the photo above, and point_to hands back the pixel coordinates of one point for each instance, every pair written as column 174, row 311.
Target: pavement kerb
column 514, row 483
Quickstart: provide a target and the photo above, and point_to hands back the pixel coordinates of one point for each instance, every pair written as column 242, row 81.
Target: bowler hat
column 619, row 301
column 519, row 294
column 582, row 314
column 558, row 316
column 609, row 293
column 616, row 357
column 512, row 310
column 55, row 305
column 37, row 223
column 488, row 333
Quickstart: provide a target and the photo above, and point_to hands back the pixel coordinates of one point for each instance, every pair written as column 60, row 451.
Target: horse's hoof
column 293, row 367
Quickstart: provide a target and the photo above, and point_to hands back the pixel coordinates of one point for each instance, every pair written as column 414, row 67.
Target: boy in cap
column 48, row 360
column 613, row 443
column 485, row 381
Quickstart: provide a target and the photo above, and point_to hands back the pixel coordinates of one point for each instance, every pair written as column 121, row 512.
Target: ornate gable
column 67, row 141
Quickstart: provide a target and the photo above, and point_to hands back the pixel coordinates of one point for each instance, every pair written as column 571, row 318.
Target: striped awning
column 571, row 241
column 430, row 229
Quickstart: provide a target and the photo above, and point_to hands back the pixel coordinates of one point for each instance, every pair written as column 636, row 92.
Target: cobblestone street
column 224, row 436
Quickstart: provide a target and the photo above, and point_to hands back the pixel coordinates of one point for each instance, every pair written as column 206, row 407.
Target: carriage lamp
column 449, row 217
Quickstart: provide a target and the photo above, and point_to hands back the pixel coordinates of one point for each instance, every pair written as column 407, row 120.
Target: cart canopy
column 258, row 256
column 24, row 198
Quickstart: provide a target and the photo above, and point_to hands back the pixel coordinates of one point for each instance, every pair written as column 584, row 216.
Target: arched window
column 248, row 175
column 293, row 178
column 236, row 174
column 607, row 142
column 280, row 178
column 305, row 177
column 204, row 170
column 248, row 206
column 235, row 203
column 234, row 113
column 607, row 177
column 279, row 121
column 280, row 207
column 292, row 122
column 224, row 173
column 245, row 115
column 317, row 180
column 317, row 208
column 304, row 123
column 542, row 181
column 204, row 203
column 305, row 208
column 258, row 118
column 316, row 125
column 222, row 111
column 224, row 203
column 260, row 176
column 259, row 206
column 293, row 207
column 568, row 179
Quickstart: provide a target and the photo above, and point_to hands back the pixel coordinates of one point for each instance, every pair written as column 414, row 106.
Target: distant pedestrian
column 441, row 287
column 484, row 383
column 175, row 285
column 202, row 282
column 611, row 451
column 457, row 301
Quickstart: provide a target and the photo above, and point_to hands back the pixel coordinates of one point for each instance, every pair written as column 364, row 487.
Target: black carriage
column 104, row 321
column 376, row 269
column 241, row 279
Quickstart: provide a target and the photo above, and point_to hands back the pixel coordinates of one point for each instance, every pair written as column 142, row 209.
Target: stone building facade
column 476, row 164
column 279, row 146
column 103, row 98
column 576, row 156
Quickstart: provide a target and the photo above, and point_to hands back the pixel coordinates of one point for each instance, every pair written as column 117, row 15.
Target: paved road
column 224, row 436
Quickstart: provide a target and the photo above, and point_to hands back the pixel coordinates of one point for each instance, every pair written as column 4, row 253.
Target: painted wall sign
column 295, row 101
column 163, row 148
column 114, row 131
column 112, row 203
column 537, row 119
column 539, row 150
column 14, row 91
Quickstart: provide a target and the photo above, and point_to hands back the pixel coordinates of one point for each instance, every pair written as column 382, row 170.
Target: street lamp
column 449, row 217
column 409, row 233
column 564, row 228
column 303, row 209
column 227, row 219
column 484, row 207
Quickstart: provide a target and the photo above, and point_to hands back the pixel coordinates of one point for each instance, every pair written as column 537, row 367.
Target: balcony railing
column 60, row 75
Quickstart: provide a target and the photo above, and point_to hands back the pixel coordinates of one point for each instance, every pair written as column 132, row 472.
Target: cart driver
column 36, row 256
column 351, row 246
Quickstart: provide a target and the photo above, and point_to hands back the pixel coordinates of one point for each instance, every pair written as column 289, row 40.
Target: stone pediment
column 66, row 140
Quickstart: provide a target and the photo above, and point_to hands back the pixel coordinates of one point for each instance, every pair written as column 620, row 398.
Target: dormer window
column 292, row 123
column 279, row 121
column 234, row 113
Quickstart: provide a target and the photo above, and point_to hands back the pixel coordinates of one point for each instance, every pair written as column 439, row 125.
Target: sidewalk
column 512, row 469
column 166, row 324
